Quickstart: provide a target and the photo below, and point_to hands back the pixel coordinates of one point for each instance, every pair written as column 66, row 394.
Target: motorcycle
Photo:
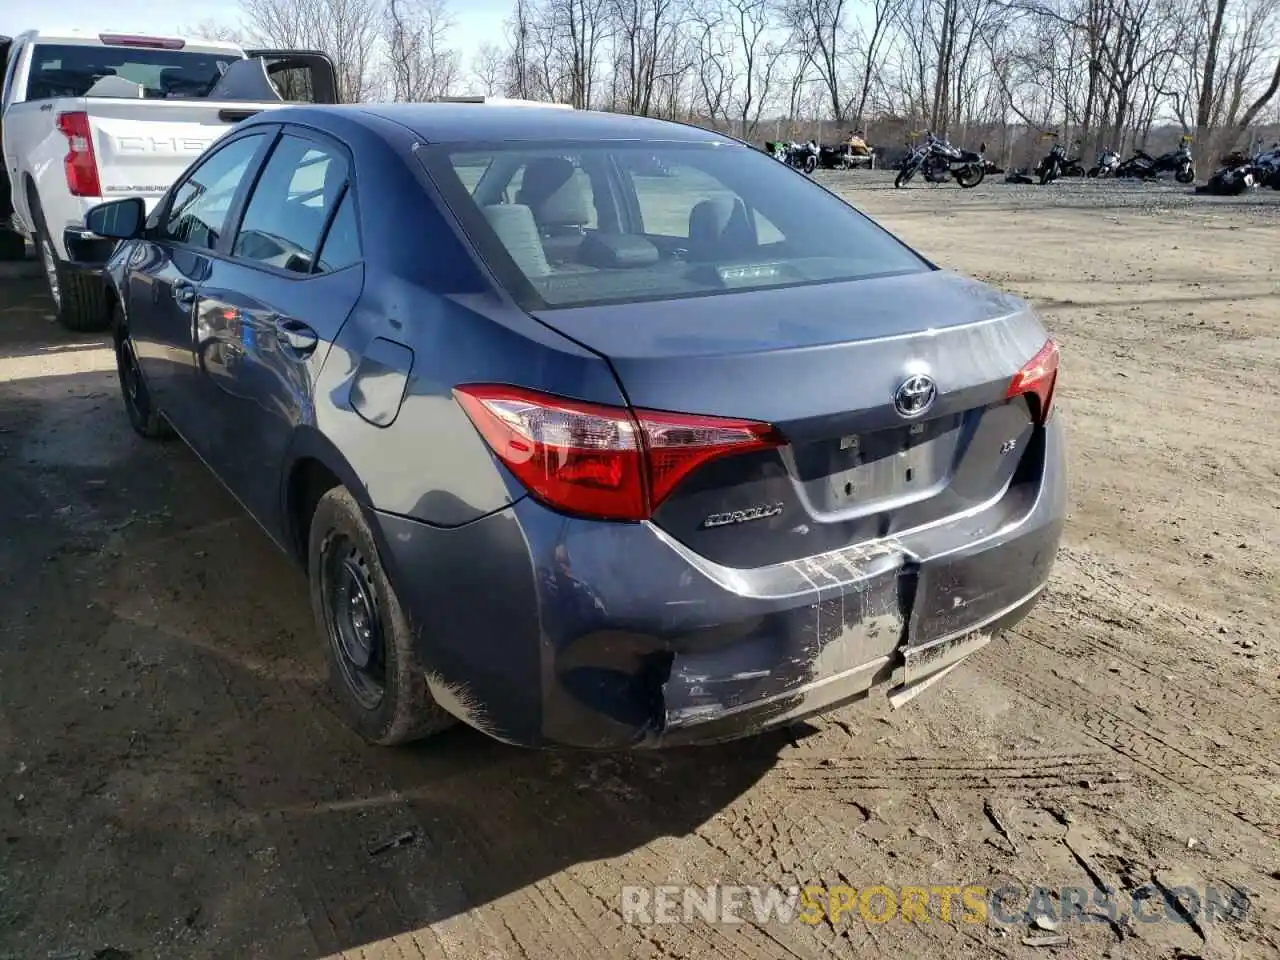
column 936, row 160
column 1146, row 167
column 1241, row 173
column 1058, row 164
column 799, row 156
column 1108, row 160
column 1266, row 165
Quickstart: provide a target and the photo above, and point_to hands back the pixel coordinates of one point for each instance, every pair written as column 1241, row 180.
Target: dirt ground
column 173, row 783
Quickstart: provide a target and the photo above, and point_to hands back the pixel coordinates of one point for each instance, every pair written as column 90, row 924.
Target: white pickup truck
column 93, row 117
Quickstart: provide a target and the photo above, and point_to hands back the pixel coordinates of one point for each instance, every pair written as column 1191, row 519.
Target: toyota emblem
column 915, row 395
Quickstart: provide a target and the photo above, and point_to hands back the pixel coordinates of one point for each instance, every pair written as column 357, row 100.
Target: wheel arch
column 315, row 466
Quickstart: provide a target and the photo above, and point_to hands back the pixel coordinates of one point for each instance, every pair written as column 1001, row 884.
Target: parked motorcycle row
column 1141, row 166
column 938, row 161
column 1239, row 171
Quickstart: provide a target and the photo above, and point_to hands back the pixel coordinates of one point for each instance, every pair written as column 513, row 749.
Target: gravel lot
column 173, row 783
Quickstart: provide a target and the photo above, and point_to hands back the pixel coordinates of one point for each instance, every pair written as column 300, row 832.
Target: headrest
column 553, row 192
column 514, row 225
column 719, row 225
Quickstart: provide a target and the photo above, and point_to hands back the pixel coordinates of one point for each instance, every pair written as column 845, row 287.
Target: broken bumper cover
column 553, row 630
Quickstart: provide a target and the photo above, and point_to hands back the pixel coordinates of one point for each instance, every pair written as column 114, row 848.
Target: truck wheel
column 79, row 298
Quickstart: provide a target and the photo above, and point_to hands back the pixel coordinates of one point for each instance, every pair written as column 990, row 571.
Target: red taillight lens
column 133, row 40
column 601, row 461
column 80, row 164
column 1038, row 378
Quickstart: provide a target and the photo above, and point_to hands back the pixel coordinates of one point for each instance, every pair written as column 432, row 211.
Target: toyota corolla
column 589, row 429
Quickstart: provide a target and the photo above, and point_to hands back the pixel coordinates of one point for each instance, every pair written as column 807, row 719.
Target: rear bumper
column 540, row 629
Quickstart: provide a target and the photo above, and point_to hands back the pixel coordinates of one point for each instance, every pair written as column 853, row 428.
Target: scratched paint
column 456, row 699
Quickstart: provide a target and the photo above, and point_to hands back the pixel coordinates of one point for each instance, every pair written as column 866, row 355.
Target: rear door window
column 301, row 185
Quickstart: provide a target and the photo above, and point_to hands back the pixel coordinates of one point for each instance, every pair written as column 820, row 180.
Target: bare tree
column 488, row 70
column 349, row 31
column 422, row 65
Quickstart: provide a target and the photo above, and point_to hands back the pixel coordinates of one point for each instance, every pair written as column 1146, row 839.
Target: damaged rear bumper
column 553, row 630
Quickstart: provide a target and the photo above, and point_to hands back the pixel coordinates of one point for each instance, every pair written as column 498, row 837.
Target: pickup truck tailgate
column 141, row 152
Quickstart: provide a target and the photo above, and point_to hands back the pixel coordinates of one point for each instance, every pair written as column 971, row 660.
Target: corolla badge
column 761, row 512
column 915, row 395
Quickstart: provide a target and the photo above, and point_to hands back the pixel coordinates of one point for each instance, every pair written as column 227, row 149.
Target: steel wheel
column 353, row 620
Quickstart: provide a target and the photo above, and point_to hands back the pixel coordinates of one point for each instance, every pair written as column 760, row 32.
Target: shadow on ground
column 174, row 779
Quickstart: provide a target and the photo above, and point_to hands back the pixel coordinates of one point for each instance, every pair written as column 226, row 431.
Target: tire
column 979, row 172
column 79, row 298
column 1046, row 175
column 146, row 420
column 386, row 699
column 810, row 165
column 1186, row 174
column 1093, row 173
column 13, row 246
column 901, row 179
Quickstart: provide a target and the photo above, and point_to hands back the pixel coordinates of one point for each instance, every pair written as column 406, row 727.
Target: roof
column 445, row 122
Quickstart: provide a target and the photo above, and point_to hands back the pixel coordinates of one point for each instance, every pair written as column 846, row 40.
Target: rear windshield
column 68, row 70
column 571, row 224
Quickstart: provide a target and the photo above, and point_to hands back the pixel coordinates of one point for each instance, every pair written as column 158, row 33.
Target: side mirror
column 118, row 219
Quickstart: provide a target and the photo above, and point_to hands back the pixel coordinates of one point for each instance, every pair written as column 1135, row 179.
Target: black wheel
column 1093, row 173
column 79, row 298
column 13, row 246
column 373, row 669
column 901, row 179
column 810, row 164
column 1046, row 174
column 1186, row 174
column 972, row 175
column 145, row 419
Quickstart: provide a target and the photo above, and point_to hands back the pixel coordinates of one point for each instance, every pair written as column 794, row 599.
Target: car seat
column 561, row 209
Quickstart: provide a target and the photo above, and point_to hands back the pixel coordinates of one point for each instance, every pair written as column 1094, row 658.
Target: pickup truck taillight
column 80, row 164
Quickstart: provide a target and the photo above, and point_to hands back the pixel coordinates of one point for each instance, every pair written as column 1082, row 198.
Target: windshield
column 570, row 224
column 68, row 70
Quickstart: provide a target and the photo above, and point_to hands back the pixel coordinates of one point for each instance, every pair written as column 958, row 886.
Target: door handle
column 296, row 335
column 184, row 293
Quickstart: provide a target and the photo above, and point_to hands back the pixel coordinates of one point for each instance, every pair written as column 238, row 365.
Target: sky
column 475, row 21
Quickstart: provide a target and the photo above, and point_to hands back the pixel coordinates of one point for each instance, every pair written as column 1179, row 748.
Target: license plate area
column 872, row 470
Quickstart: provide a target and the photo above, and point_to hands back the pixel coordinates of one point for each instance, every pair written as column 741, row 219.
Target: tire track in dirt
column 1106, row 618
column 1192, row 770
column 1038, row 774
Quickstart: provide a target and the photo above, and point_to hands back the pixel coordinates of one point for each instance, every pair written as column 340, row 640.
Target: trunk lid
column 824, row 364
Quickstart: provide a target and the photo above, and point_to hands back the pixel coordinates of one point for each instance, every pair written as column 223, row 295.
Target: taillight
column 1038, row 378
column 80, row 164
column 133, row 40
column 601, row 461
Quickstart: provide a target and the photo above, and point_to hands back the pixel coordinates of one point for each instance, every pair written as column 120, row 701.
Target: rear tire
column 1186, row 175
column 374, row 671
column 79, row 298
column 145, row 419
column 901, row 180
column 973, row 175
